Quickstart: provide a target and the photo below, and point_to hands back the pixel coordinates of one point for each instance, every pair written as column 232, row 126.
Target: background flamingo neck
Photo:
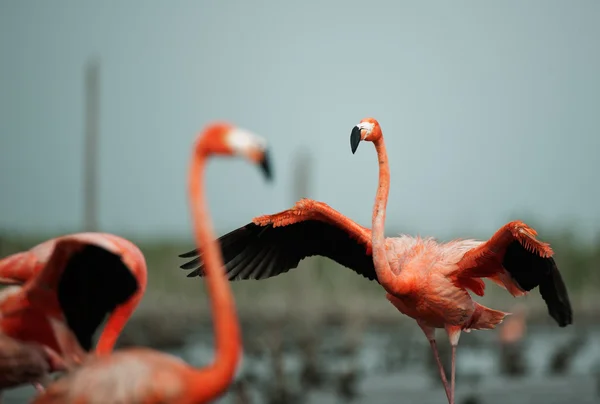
column 382, row 266
column 227, row 332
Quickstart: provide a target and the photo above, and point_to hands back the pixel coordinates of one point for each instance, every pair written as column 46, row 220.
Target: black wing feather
column 260, row 252
column 93, row 283
column 529, row 270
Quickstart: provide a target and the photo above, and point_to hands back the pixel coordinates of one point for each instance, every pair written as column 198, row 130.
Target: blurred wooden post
column 90, row 152
column 301, row 188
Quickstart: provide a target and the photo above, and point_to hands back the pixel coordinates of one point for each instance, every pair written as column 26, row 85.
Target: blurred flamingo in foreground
column 140, row 375
column 76, row 281
column 424, row 279
column 63, row 289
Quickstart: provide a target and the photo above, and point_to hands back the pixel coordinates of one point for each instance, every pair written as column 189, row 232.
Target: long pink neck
column 382, row 266
column 218, row 376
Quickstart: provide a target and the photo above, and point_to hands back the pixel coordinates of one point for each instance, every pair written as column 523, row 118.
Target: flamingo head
column 368, row 129
column 222, row 138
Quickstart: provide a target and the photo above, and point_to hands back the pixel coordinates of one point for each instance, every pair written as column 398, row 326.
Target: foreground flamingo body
column 145, row 376
column 424, row 279
column 69, row 285
column 61, row 291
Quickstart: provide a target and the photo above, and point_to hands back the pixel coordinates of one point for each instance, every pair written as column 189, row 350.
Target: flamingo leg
column 453, row 377
column 430, row 334
column 453, row 335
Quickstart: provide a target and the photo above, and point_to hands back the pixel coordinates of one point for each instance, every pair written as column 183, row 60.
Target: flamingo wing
column 516, row 260
column 530, row 270
column 260, row 251
column 89, row 281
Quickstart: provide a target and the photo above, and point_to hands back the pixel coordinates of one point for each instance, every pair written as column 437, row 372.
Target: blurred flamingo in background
column 514, row 328
column 69, row 285
column 425, row 280
column 510, row 336
column 141, row 375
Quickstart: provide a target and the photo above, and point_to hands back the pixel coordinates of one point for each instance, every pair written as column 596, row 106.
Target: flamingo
column 140, row 375
column 423, row 279
column 65, row 287
column 510, row 337
column 514, row 329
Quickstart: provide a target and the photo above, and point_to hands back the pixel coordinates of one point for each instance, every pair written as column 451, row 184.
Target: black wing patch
column 92, row 284
column 260, row 252
column 530, row 270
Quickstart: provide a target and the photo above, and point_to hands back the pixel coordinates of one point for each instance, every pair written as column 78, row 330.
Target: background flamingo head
column 222, row 138
column 368, row 129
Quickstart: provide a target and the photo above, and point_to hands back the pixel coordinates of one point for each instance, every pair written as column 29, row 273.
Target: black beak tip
column 265, row 166
column 354, row 139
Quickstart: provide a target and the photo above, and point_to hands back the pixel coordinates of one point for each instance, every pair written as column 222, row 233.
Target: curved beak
column 265, row 166
column 355, row 138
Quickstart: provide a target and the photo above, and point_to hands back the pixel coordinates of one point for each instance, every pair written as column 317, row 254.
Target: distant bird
column 141, row 375
column 69, row 285
column 22, row 363
column 565, row 354
column 472, row 399
column 596, row 373
column 241, row 392
column 512, row 332
column 424, row 279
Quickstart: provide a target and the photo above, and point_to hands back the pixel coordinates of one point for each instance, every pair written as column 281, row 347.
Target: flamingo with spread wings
column 424, row 279
column 64, row 288
column 140, row 375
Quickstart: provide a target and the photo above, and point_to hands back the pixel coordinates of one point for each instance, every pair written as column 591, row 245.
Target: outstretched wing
column 257, row 251
column 528, row 270
column 515, row 259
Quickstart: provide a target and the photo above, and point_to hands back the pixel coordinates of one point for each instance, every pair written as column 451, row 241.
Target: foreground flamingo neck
column 216, row 378
column 380, row 261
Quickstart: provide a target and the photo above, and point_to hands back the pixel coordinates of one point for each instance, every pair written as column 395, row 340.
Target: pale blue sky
column 490, row 109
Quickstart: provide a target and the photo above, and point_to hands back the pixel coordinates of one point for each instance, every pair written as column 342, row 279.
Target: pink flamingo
column 69, row 285
column 141, row 375
column 424, row 279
